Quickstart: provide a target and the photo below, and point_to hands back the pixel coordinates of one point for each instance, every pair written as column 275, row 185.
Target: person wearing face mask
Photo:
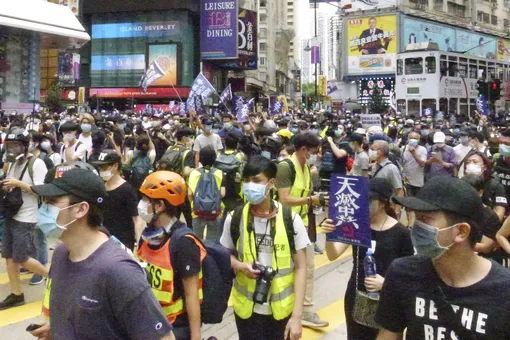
column 413, row 164
column 35, row 148
column 501, row 169
column 72, row 211
column 294, row 182
column 120, row 212
column 285, row 236
column 335, row 152
column 361, row 165
column 87, row 124
column 494, row 195
column 228, row 126
column 384, row 168
column 179, row 261
column 207, row 138
column 48, row 146
column 461, row 151
column 441, row 159
column 23, row 171
column 390, row 240
column 73, row 150
column 476, row 140
column 419, row 291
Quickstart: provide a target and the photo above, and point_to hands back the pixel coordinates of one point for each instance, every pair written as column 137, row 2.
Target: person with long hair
column 494, row 195
column 390, row 240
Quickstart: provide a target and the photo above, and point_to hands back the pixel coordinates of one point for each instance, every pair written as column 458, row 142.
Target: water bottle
column 370, row 271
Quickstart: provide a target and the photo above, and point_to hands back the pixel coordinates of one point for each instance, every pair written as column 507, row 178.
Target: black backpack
column 174, row 158
column 231, row 167
column 217, row 276
column 140, row 167
column 288, row 221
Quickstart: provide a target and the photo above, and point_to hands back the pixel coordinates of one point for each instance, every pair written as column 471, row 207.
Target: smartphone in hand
column 32, row 327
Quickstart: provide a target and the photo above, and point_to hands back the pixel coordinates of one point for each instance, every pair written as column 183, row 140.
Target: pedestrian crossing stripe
column 33, row 309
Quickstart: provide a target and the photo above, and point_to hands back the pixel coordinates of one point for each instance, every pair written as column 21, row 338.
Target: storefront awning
column 57, row 25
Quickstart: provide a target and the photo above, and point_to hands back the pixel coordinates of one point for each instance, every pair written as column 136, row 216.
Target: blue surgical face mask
column 463, row 139
column 413, row 142
column 208, row 128
column 47, row 220
column 425, row 132
column 339, row 133
column 214, row 130
column 424, row 238
column 504, row 150
column 228, row 126
column 266, row 154
column 294, row 130
column 255, row 193
column 86, row 127
column 314, row 132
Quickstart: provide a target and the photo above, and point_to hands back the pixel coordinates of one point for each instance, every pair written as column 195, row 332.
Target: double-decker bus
column 427, row 78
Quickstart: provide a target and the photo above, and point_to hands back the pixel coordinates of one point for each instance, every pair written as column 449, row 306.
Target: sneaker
column 317, row 250
column 311, row 319
column 12, row 301
column 24, row 271
column 36, row 280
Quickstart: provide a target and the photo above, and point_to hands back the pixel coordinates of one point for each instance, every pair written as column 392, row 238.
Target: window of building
column 262, row 61
column 263, row 33
column 263, row 3
column 414, row 65
column 494, row 20
column 506, row 3
column 506, row 23
column 438, row 5
column 49, row 67
column 456, row 9
column 486, row 18
column 262, row 46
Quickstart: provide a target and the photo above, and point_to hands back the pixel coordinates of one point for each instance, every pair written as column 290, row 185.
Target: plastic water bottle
column 370, row 271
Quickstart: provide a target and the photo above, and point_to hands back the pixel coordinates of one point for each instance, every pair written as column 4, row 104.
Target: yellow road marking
column 334, row 313
column 18, row 314
column 4, row 278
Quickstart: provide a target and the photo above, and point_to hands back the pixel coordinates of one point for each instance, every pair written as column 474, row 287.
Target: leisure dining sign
column 218, row 29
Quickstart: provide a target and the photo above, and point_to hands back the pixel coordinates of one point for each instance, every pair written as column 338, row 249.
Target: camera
column 263, row 285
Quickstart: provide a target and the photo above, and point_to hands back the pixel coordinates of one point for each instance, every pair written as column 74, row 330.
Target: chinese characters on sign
column 349, row 210
column 218, row 29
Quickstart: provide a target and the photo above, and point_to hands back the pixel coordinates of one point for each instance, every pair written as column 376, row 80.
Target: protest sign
column 370, row 119
column 349, row 210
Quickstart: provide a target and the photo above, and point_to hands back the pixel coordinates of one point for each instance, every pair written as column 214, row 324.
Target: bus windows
column 443, row 105
column 401, row 106
column 414, row 65
column 453, row 69
column 453, row 105
column 430, row 64
column 400, row 67
column 472, row 71
column 443, row 67
column 413, row 107
column 428, row 103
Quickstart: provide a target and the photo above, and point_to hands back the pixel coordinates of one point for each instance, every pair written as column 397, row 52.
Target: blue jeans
column 41, row 246
column 199, row 226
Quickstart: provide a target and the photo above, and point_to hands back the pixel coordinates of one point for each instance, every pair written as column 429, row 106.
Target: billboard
column 367, row 86
column 503, row 50
column 418, row 31
column 247, row 48
column 372, row 44
column 166, row 57
column 359, row 5
column 134, row 29
column 476, row 45
column 218, row 29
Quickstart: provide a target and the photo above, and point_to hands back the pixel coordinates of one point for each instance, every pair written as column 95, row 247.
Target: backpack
column 288, row 221
column 63, row 148
column 231, row 167
column 217, row 276
column 140, row 168
column 207, row 198
column 174, row 158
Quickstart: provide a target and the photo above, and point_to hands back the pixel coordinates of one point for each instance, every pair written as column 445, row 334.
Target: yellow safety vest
column 282, row 287
column 301, row 187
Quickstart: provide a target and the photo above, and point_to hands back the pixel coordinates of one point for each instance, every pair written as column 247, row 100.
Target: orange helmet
column 165, row 185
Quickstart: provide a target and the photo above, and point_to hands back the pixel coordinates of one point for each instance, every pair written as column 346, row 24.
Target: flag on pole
column 226, row 94
column 201, row 87
column 276, row 107
column 244, row 110
column 153, row 73
column 171, row 106
column 199, row 105
column 182, row 108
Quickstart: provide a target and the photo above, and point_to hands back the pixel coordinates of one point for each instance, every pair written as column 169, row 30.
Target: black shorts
column 18, row 240
column 411, row 190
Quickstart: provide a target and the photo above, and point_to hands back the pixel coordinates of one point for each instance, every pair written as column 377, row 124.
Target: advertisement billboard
column 368, row 85
column 372, row 44
column 359, row 5
column 418, row 31
column 247, row 48
column 503, row 50
column 218, row 29
column 166, row 57
column 66, row 69
column 134, row 29
column 476, row 45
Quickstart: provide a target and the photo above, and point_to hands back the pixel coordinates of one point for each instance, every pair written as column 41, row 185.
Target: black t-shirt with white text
column 409, row 294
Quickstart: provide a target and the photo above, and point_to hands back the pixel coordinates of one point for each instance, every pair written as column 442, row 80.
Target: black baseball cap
column 82, row 183
column 444, row 193
column 107, row 157
column 379, row 188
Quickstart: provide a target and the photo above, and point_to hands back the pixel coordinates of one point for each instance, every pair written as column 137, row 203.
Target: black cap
column 107, row 157
column 82, row 183
column 444, row 193
column 69, row 126
column 379, row 188
column 207, row 121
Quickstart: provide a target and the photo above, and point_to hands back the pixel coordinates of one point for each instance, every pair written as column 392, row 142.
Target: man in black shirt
column 96, row 290
column 447, row 291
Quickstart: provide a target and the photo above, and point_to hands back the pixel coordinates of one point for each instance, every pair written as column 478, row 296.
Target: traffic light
column 483, row 89
column 309, row 103
column 303, row 101
column 495, row 90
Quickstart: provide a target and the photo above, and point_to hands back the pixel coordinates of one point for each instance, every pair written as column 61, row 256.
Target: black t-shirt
column 494, row 194
column 390, row 244
column 501, row 170
column 120, row 208
column 409, row 292
column 491, row 223
column 105, row 296
column 339, row 164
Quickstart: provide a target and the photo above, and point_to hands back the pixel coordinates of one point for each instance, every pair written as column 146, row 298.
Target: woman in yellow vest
column 176, row 280
column 268, row 242
column 295, row 190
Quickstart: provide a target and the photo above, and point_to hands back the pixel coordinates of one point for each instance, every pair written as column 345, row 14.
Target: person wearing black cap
column 390, row 240
column 120, row 209
column 447, row 291
column 96, row 289
column 73, row 149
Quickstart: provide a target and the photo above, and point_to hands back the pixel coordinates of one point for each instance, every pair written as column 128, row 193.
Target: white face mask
column 143, row 211
column 69, row 137
column 372, row 154
column 312, row 160
column 46, row 145
column 106, row 175
column 473, row 169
